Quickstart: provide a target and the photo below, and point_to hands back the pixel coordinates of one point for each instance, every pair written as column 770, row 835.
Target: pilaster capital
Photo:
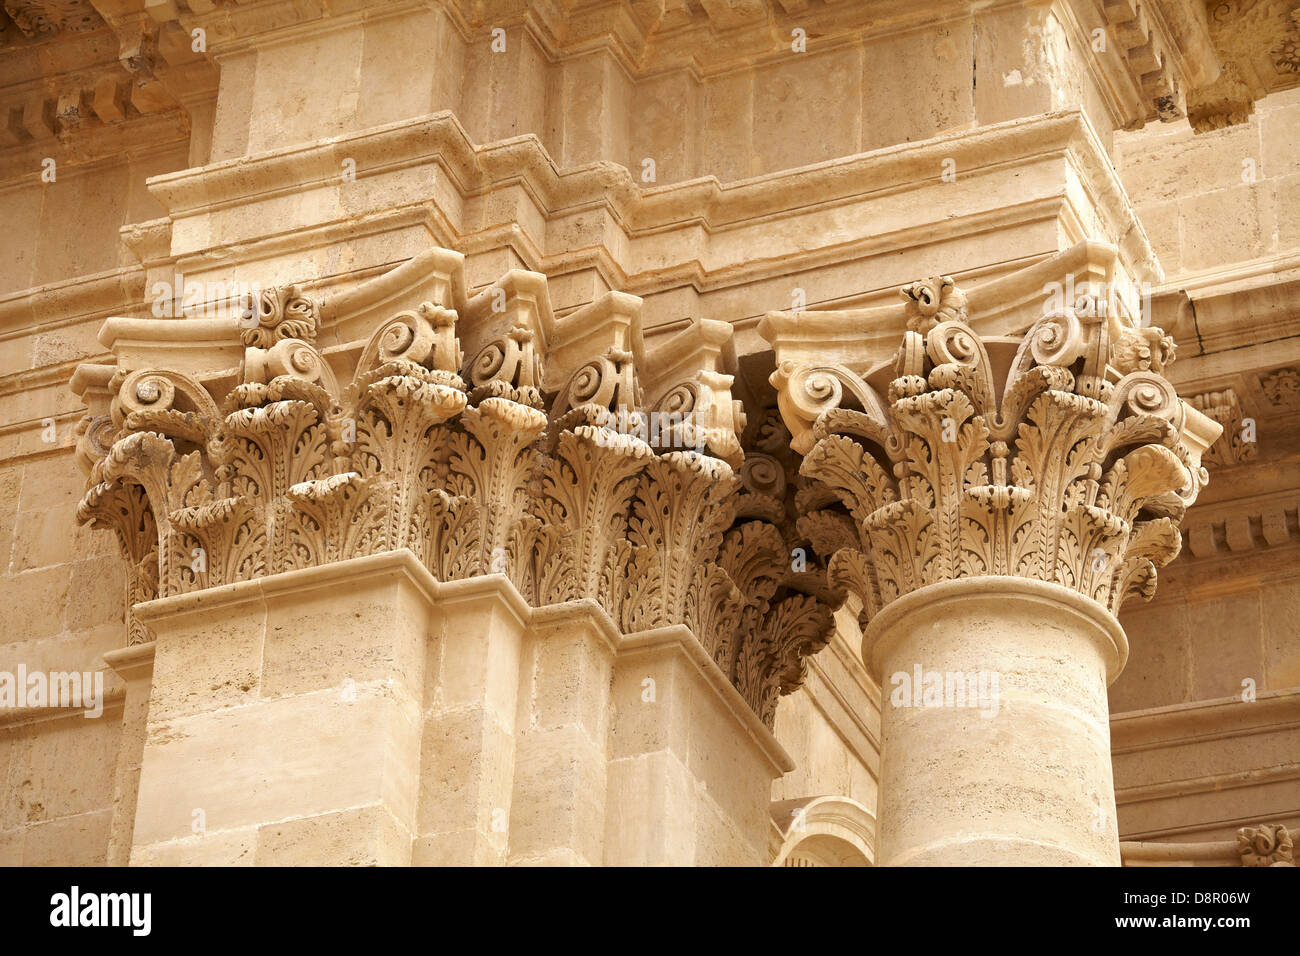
column 557, row 451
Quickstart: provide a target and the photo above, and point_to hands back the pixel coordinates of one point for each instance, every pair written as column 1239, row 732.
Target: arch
column 823, row 831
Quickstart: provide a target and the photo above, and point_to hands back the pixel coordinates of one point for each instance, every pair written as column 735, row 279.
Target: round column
column 995, row 725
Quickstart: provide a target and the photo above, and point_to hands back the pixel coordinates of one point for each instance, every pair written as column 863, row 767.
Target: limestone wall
column 1214, row 199
column 1205, row 736
column 774, row 173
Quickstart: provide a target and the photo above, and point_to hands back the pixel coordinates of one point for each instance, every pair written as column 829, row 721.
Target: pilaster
column 441, row 541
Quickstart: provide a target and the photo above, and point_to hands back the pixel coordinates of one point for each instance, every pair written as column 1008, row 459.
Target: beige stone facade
column 649, row 432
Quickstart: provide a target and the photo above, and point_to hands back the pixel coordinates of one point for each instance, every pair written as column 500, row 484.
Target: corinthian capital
column 1062, row 455
column 558, row 452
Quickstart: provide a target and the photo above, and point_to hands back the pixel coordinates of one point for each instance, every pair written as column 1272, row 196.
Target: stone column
column 283, row 725
column 1014, row 767
column 991, row 530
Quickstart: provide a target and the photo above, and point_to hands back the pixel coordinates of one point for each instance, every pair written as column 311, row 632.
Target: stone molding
column 814, row 200
column 1200, row 770
column 890, row 626
column 1268, row 844
column 822, row 831
column 1162, row 50
column 557, row 451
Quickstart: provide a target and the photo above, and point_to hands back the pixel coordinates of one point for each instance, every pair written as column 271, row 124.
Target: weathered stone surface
column 522, row 411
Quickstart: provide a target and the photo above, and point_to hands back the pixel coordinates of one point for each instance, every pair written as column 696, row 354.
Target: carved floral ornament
column 1237, row 443
column 1063, row 455
column 1269, row 844
column 484, row 461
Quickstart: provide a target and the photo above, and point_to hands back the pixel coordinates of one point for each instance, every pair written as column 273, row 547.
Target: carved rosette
column 1269, row 844
column 478, row 464
column 1074, row 469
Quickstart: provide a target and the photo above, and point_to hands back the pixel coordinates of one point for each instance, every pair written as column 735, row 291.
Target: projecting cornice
column 88, row 78
column 474, row 168
column 1258, row 43
column 645, row 36
column 1046, row 177
column 79, row 68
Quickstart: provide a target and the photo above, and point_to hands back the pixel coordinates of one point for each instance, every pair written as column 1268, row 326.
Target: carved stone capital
column 561, row 454
column 1062, row 455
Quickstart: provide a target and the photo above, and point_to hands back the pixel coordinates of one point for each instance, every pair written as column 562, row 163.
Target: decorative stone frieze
column 1236, row 444
column 611, row 475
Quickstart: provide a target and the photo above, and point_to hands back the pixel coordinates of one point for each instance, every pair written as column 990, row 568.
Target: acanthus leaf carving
column 1075, row 472
column 229, row 474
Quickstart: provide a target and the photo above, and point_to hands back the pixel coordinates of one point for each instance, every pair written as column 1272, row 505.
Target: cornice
column 705, row 200
column 1155, row 52
column 706, row 38
column 1156, row 728
column 94, row 76
column 1258, row 44
column 700, row 226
